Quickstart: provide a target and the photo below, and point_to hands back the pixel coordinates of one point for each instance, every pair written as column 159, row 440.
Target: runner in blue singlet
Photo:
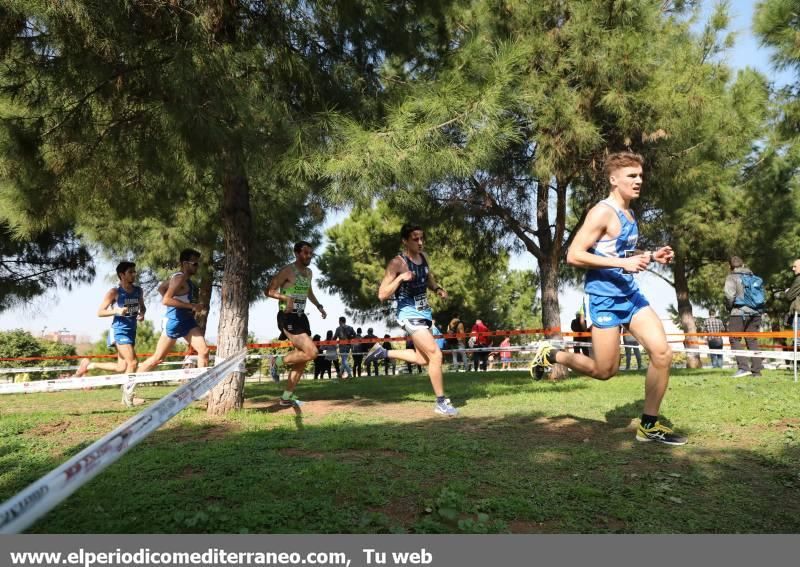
column 126, row 304
column 408, row 279
column 606, row 246
column 180, row 298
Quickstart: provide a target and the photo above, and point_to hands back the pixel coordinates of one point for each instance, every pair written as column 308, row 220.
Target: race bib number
column 421, row 302
column 299, row 305
column 132, row 307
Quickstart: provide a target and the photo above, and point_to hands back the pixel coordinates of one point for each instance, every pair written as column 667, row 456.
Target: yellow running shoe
column 660, row 433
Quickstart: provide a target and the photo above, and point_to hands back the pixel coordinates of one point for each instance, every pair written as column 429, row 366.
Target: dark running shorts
column 293, row 324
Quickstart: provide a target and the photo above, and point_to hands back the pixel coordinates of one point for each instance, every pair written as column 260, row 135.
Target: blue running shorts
column 608, row 312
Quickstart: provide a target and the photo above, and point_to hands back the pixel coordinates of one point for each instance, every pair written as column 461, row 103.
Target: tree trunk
column 551, row 248
column 206, row 288
column 551, row 311
column 685, row 310
column 235, row 296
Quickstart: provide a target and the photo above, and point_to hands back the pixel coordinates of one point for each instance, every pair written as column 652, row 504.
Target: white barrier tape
column 776, row 354
column 34, row 369
column 23, row 509
column 37, row 386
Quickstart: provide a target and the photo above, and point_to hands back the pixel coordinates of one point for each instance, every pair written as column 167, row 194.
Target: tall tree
column 511, row 127
column 30, row 267
column 140, row 106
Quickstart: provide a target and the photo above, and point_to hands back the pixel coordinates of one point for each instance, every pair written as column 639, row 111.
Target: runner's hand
column 406, row 276
column 636, row 264
column 289, row 304
column 663, row 255
column 322, row 312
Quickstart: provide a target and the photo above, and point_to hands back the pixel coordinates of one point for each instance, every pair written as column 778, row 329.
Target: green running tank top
column 297, row 291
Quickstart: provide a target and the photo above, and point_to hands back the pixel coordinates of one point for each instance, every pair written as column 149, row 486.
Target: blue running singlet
column 123, row 327
column 612, row 282
column 411, row 298
column 179, row 320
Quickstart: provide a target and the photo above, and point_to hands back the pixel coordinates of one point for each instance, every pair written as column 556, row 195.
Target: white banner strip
column 60, row 384
column 24, row 370
column 776, row 354
column 23, row 509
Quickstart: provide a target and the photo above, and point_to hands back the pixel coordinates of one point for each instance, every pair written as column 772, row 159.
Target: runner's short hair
column 299, row 245
column 736, row 262
column 407, row 229
column 123, row 267
column 188, row 254
column 621, row 159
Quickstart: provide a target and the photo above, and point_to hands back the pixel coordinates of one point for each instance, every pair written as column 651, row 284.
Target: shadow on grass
column 522, row 473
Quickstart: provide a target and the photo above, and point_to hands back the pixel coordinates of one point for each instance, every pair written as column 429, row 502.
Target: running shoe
column 445, row 408
column 540, row 358
column 291, row 401
column 377, row 352
column 661, row 434
column 742, row 374
column 127, row 393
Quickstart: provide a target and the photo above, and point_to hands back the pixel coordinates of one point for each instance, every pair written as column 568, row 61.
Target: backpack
column 753, row 296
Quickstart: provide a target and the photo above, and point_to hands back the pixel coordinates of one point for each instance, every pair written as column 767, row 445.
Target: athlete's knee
column 310, row 352
column 132, row 365
column 661, row 356
column 435, row 357
column 605, row 373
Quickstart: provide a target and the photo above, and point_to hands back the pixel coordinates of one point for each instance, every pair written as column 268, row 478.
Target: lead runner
column 606, row 245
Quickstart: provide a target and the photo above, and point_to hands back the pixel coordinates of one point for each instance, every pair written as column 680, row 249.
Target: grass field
column 369, row 456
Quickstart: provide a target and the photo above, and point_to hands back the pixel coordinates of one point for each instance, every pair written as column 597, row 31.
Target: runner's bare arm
column 396, row 273
column 593, row 228
column 169, row 300
column 107, row 307
column 276, row 283
column 314, row 300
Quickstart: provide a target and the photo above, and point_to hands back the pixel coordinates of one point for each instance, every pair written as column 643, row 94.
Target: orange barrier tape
column 550, row 332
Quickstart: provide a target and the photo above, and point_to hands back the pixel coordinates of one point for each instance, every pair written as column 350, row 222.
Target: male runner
column 606, row 246
column 181, row 298
column 407, row 280
column 292, row 288
column 126, row 304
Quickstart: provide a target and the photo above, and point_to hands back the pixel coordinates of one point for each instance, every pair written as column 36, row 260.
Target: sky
column 75, row 310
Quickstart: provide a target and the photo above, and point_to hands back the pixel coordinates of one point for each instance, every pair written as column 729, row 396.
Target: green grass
column 371, row 457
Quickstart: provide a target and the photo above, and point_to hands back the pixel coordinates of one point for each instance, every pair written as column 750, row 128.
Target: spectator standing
column 714, row 325
column 345, row 332
column 505, row 353
column 319, row 361
column 578, row 325
column 456, row 326
column 331, row 356
column 480, row 357
column 359, row 349
column 744, row 294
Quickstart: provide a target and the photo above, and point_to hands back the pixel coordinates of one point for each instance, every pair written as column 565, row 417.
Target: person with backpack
column 744, row 294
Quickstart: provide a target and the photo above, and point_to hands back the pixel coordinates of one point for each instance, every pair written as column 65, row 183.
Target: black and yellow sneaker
column 540, row 362
column 660, row 433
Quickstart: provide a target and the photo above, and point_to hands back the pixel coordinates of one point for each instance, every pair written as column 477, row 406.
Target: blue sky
column 75, row 310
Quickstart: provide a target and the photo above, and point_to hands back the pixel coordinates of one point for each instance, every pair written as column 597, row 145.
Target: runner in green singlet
column 292, row 288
